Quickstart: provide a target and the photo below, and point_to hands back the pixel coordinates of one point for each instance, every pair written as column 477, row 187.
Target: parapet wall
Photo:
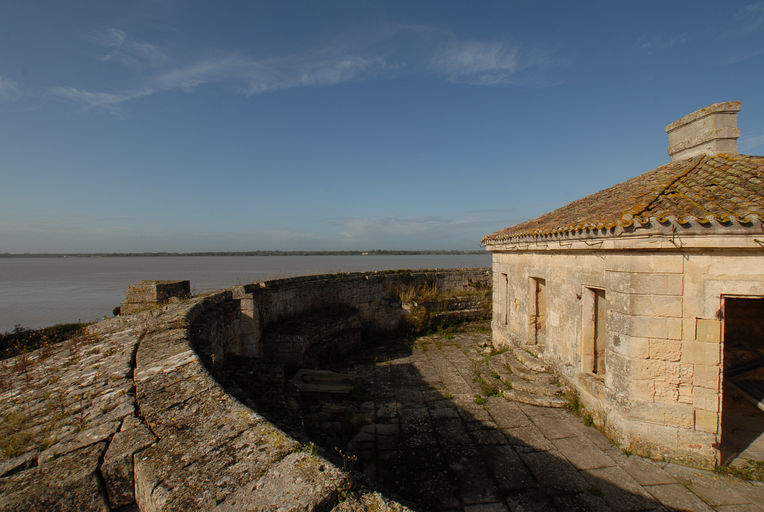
column 129, row 416
column 374, row 295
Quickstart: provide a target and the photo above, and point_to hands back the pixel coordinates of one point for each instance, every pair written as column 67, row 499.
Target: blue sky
column 195, row 126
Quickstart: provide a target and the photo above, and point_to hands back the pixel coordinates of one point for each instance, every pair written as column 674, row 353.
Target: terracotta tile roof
column 723, row 187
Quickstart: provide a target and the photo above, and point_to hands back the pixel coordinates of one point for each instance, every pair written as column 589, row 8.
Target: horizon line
column 331, row 252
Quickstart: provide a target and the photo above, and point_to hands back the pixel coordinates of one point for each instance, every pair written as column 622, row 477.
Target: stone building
column 648, row 297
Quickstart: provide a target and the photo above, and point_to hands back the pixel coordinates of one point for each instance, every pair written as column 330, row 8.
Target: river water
column 36, row 292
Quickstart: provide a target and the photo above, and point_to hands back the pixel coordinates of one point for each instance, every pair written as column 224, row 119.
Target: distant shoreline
column 237, row 253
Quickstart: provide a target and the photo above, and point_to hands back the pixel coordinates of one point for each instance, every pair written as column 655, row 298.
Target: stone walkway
column 442, row 438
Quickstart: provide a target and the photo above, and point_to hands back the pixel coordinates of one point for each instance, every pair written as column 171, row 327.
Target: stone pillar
column 249, row 324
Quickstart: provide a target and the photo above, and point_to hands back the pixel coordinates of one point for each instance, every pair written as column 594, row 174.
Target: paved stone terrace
column 439, row 448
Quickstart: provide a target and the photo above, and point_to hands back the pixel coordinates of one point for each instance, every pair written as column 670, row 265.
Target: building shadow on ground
column 418, row 427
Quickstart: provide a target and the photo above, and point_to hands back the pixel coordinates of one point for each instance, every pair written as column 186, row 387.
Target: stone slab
column 553, row 470
column 644, row 471
column 619, row 490
column 583, row 454
column 68, row 483
column 369, row 502
column 300, row 482
column 508, row 470
column 117, row 467
column 712, row 488
column 678, row 497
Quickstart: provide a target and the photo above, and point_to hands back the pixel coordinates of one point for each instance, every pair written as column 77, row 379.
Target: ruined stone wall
column 374, row 295
column 151, row 293
column 658, row 391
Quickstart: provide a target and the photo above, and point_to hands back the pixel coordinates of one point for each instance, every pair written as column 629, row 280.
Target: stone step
column 532, row 399
column 529, row 360
column 533, row 388
column 522, row 371
column 497, row 365
column 516, row 366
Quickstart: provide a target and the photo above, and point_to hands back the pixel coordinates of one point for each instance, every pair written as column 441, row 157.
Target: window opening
column 505, row 305
column 594, row 334
column 538, row 315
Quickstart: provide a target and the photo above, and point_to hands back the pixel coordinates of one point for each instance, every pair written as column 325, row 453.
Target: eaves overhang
column 647, row 233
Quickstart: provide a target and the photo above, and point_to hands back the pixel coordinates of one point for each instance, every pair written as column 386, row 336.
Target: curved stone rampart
column 129, row 414
column 375, row 296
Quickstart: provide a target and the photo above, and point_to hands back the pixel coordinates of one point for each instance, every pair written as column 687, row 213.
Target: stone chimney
column 709, row 131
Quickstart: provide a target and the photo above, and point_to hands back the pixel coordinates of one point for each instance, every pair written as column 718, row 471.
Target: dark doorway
column 743, row 381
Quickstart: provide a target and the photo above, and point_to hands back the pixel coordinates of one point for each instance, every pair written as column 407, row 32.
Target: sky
column 170, row 125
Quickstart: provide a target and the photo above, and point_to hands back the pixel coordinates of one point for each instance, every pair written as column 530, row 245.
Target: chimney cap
column 710, row 130
column 725, row 107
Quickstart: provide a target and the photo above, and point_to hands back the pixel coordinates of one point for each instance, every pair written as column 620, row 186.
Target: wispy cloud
column 399, row 48
column 752, row 142
column 328, row 71
column 97, row 99
column 259, row 76
column 478, row 63
column 656, row 43
column 129, row 51
column 749, row 19
column 191, row 76
column 9, row 90
column 247, row 75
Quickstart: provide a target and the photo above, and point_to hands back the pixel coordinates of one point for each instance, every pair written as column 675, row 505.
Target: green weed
column 752, row 470
column 573, row 404
column 487, row 388
column 310, row 448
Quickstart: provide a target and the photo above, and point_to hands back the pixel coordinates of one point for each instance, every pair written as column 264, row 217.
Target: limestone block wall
column 658, row 387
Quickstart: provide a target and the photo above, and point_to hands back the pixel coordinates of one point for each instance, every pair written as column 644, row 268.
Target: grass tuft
column 753, row 470
column 487, row 388
column 575, row 406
